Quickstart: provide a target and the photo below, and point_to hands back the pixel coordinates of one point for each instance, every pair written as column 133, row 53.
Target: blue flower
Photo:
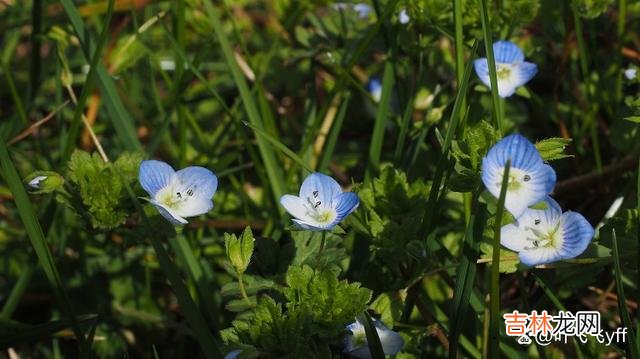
column 185, row 193
column 530, row 179
column 374, row 86
column 233, row 354
column 511, row 69
column 356, row 342
column 545, row 236
column 321, row 204
column 403, row 17
column 362, row 9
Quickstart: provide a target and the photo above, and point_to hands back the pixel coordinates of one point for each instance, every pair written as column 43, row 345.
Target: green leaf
column 239, row 250
column 508, row 260
column 329, row 302
column 101, row 185
column 38, row 241
column 389, row 305
column 553, row 148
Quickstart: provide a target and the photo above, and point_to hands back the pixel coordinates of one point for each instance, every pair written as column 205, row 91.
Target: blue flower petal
column 169, row 214
column 577, row 233
column 536, row 179
column 318, row 187
column 346, row 203
column 481, row 66
column 507, row 52
column 538, row 257
column 154, row 175
column 200, row 181
column 523, row 72
column 313, row 227
column 522, row 153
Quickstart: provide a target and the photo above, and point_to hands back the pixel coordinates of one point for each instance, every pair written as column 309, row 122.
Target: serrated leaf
column 101, row 185
column 508, row 260
column 553, row 148
column 241, row 305
column 389, row 306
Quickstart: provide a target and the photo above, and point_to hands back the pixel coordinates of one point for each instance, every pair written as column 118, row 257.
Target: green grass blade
column 276, row 180
column 382, row 115
column 76, row 122
column 279, row 145
column 191, row 312
column 465, row 278
column 494, row 309
column 373, row 340
column 558, row 304
column 22, row 334
column 332, row 140
column 17, row 101
column 591, row 120
column 632, row 349
column 488, row 47
column 14, row 298
column 121, row 119
column 638, row 253
column 38, row 241
column 185, row 253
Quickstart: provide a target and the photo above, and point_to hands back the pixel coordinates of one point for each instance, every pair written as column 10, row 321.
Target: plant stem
column 322, row 242
column 243, row 291
column 494, row 308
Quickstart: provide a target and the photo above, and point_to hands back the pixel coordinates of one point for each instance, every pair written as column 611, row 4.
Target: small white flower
column 321, row 204
column 356, row 342
column 545, row 236
column 375, row 88
column 631, row 73
column 530, row 179
column 185, row 193
column 511, row 69
column 403, row 17
column 363, row 10
column 35, row 182
column 233, row 354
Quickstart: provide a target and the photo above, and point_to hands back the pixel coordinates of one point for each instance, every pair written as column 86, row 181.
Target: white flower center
column 503, row 71
column 318, row 211
column 549, row 237
column 516, row 179
column 172, row 197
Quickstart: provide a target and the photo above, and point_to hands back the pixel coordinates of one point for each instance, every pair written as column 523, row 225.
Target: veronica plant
column 356, row 342
column 530, row 179
column 321, row 204
column 374, row 87
column 511, row 69
column 185, row 193
column 548, row 235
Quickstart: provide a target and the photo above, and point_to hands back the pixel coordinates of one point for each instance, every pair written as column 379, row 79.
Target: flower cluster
column 538, row 235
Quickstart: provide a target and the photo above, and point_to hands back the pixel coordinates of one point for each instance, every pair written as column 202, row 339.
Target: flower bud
column 44, row 181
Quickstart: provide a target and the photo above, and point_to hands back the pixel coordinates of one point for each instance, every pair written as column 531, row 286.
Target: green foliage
column 318, row 306
column 330, row 303
column 101, row 185
column 239, row 250
column 625, row 224
column 591, row 9
column 508, row 260
column 44, row 181
column 553, row 148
